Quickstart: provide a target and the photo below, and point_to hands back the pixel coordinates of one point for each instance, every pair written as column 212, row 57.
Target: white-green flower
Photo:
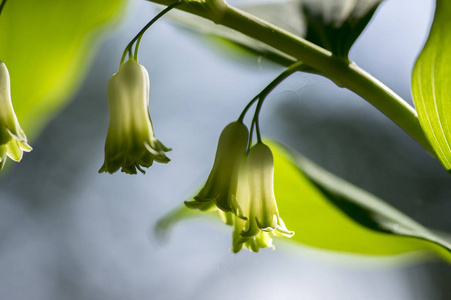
column 254, row 243
column 131, row 143
column 12, row 138
column 258, row 203
column 221, row 186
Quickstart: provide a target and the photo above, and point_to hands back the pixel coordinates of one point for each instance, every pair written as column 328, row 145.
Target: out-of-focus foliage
column 431, row 82
column 47, row 46
column 328, row 213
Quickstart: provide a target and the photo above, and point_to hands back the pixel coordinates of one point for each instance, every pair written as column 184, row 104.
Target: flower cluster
column 130, row 142
column 241, row 186
column 12, row 138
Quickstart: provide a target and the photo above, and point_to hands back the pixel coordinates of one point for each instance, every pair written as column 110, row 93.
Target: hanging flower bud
column 130, row 142
column 221, row 186
column 257, row 201
column 12, row 138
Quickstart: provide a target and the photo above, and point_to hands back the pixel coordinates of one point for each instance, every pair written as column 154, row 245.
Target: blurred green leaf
column 431, row 82
column 47, row 46
column 328, row 213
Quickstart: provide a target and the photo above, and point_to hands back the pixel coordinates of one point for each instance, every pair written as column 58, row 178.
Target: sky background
column 75, row 234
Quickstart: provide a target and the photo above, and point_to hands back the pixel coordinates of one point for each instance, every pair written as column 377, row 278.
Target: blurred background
column 68, row 232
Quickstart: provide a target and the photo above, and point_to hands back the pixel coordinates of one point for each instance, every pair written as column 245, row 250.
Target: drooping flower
column 261, row 240
column 258, row 203
column 131, row 143
column 12, row 138
column 221, row 186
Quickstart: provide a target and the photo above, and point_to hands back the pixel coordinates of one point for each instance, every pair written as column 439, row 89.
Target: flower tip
column 283, row 230
column 109, row 169
column 223, row 205
column 236, row 209
column 286, row 233
column 202, row 206
column 250, row 230
column 227, row 218
column 140, row 169
column 236, row 248
column 267, row 226
column 25, row 147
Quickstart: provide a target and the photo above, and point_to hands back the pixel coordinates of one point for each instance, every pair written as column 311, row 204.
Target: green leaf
column 431, row 81
column 328, row 213
column 47, row 46
column 336, row 24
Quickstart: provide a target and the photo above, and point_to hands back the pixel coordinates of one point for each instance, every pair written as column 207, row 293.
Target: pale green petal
column 282, row 229
column 202, row 206
column 24, row 146
column 2, row 156
column 13, row 150
column 226, row 217
column 264, row 240
column 221, row 185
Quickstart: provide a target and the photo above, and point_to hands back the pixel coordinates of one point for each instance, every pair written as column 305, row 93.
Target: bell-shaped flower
column 221, row 186
column 258, row 203
column 130, row 143
column 12, row 138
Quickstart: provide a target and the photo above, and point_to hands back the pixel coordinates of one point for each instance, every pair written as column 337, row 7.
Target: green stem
column 251, row 133
column 137, row 47
column 288, row 71
column 2, row 6
column 243, row 114
column 143, row 30
column 268, row 89
column 262, row 96
column 256, row 119
column 344, row 73
column 272, row 85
